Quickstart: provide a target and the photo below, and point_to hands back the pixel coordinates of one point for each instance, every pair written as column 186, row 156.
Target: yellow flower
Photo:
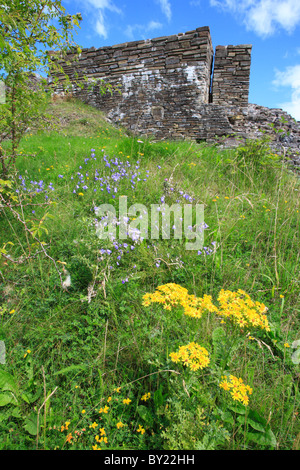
column 104, row 410
column 238, row 390
column 83, row 411
column 236, row 395
column 172, row 295
column 101, row 439
column 109, row 399
column 145, row 397
column 174, row 356
column 192, row 355
column 120, row 425
column 240, row 309
column 94, row 425
column 224, row 385
column 12, row 311
column 126, row 401
column 141, row 429
column 286, row 345
column 80, row 194
column 27, row 352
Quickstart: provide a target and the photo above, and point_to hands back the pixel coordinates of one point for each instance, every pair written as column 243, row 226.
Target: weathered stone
column 168, row 89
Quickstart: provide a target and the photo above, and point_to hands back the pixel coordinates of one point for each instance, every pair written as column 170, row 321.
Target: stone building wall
column 231, row 77
column 175, row 87
column 163, row 81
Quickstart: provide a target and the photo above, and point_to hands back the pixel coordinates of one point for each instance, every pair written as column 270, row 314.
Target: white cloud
column 290, row 77
column 104, row 5
column 100, row 27
column 166, row 8
column 264, row 17
column 99, row 8
column 151, row 26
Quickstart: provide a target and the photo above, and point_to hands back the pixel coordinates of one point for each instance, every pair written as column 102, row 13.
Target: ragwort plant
column 241, row 316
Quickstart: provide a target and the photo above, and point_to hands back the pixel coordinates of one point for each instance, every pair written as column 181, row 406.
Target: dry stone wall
column 162, row 82
column 175, row 87
column 231, row 76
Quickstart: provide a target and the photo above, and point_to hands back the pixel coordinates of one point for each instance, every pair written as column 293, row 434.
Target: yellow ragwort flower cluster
column 146, row 396
column 238, row 390
column 171, row 295
column 192, row 355
column 241, row 310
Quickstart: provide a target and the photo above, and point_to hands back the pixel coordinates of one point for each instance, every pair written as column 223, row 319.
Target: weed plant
column 91, row 355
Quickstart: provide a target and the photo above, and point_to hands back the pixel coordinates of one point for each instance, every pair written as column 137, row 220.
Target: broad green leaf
column 7, row 381
column 263, row 438
column 24, row 397
column 256, row 421
column 296, row 356
column 218, row 334
column 145, row 414
column 31, row 397
column 16, row 412
column 31, row 424
column 238, row 408
column 227, row 417
column 5, row 398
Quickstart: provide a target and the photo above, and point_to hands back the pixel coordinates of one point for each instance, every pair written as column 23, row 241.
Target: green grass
column 96, row 336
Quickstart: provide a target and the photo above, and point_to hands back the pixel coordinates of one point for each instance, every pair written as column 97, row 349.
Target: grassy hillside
column 88, row 361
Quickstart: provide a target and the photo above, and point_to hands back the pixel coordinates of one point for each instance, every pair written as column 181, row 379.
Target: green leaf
column 296, row 356
column 264, row 439
column 5, row 398
column 31, row 424
column 2, row 43
column 73, row 368
column 16, row 412
column 256, row 421
column 238, row 408
column 31, row 397
column 7, row 381
column 226, row 417
column 158, row 398
column 145, row 414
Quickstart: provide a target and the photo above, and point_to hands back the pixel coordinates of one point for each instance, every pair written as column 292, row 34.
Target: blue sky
column 271, row 26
